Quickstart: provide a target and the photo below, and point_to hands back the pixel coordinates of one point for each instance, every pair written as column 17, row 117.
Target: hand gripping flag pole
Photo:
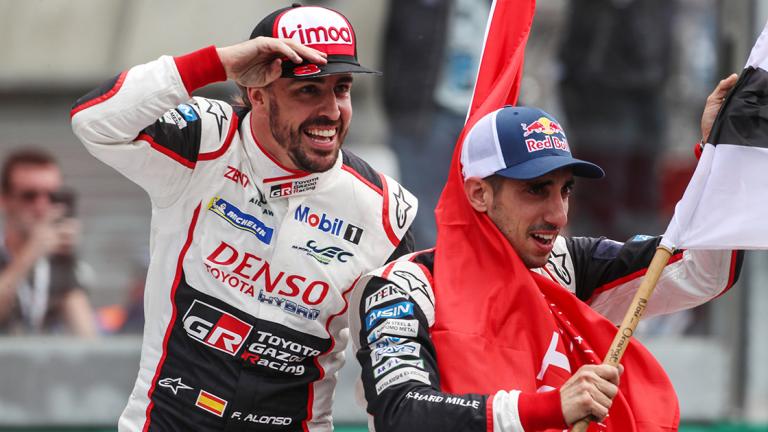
column 724, row 205
column 632, row 317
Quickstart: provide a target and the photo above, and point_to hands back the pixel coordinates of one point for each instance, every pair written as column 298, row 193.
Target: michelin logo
column 240, row 220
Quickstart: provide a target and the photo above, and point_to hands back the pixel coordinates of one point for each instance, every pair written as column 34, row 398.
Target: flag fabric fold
column 725, row 203
column 499, row 326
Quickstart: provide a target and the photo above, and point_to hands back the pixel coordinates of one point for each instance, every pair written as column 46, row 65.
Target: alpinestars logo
column 401, row 208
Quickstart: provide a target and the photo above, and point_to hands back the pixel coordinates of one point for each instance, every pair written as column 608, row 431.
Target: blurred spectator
column 616, row 56
column 431, row 52
column 39, row 289
column 128, row 317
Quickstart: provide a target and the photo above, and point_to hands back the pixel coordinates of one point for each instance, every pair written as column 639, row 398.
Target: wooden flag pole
column 632, row 317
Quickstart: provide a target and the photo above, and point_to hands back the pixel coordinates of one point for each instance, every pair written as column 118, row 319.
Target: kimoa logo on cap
column 315, row 25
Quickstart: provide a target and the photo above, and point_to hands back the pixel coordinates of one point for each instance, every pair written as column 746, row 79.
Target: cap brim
column 291, row 70
column 543, row 165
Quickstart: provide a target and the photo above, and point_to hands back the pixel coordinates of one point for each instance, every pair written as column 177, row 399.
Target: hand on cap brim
column 257, row 62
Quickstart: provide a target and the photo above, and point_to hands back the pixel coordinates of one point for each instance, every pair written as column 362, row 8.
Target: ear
column 479, row 193
column 258, row 98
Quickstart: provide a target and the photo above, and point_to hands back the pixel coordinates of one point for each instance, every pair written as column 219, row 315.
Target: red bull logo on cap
column 543, row 126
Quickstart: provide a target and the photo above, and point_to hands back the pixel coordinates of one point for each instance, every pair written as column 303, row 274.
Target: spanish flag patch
column 212, row 404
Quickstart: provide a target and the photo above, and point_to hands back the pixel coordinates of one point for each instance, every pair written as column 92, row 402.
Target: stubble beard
column 290, row 139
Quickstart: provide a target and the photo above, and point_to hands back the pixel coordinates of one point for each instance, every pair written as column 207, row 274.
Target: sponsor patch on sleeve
column 396, row 362
column 394, row 327
column 386, row 293
column 400, row 376
column 404, row 350
column 397, row 310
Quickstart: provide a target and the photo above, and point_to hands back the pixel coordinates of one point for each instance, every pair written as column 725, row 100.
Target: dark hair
column 242, row 98
column 26, row 156
column 496, row 181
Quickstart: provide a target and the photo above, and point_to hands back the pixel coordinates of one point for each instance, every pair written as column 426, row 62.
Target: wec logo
column 215, row 328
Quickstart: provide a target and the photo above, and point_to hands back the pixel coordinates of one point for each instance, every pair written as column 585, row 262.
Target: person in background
column 431, row 52
column 39, row 288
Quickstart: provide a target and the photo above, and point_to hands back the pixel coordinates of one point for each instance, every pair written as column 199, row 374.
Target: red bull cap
column 520, row 143
column 320, row 28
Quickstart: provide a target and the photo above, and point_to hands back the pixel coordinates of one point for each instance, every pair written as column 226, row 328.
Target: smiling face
column 303, row 122
column 529, row 213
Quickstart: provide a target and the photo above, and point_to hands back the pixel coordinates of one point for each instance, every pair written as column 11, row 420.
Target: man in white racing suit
column 260, row 223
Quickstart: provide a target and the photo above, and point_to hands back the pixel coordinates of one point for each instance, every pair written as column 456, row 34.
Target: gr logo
column 215, row 328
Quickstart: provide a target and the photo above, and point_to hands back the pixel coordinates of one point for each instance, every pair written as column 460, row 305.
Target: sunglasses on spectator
column 32, row 195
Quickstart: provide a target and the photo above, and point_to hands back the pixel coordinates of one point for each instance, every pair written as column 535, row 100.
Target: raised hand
column 257, row 62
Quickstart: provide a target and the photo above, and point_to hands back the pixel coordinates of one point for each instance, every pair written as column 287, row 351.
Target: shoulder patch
column 560, row 265
column 399, row 210
column 410, row 277
column 218, row 119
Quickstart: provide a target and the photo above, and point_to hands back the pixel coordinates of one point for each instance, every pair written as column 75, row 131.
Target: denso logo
column 248, row 268
column 215, row 328
column 313, row 25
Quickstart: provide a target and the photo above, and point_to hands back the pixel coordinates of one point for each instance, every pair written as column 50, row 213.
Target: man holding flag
column 479, row 334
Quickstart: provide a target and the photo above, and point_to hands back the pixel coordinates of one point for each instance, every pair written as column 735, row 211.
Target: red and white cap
column 320, row 28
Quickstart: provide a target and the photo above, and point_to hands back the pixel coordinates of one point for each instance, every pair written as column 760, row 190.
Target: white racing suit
column 251, row 262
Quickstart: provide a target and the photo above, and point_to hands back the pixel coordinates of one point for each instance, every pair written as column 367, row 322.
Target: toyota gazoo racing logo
column 317, row 26
column 278, row 353
column 215, row 328
column 292, row 187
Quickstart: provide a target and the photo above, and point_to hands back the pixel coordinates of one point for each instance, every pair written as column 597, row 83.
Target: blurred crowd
column 611, row 75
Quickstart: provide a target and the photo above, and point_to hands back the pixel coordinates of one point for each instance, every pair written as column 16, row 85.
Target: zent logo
column 215, row 328
column 237, row 176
